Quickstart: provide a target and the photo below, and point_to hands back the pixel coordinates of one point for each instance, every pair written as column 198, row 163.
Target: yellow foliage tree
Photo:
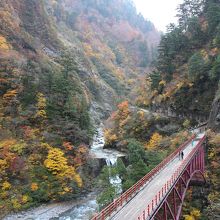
column 194, row 215
column 3, row 165
column 110, row 137
column 41, row 101
column 6, row 186
column 4, row 45
column 57, row 164
column 122, row 116
column 24, row 199
column 154, row 141
column 189, row 217
column 15, row 204
column 41, row 105
column 162, row 82
column 18, row 147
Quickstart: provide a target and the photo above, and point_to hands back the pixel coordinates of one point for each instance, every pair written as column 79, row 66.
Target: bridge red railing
column 132, row 191
column 159, row 197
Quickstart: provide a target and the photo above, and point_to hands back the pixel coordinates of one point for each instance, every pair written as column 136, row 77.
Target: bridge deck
column 133, row 209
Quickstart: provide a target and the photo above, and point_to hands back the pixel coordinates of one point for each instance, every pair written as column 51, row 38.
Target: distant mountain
column 118, row 43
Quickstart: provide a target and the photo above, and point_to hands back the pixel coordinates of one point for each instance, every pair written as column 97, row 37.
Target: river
column 89, row 208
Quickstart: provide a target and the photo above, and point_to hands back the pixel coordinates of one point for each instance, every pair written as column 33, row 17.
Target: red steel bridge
column 159, row 195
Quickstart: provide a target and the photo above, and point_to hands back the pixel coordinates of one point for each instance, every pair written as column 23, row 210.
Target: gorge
column 93, row 97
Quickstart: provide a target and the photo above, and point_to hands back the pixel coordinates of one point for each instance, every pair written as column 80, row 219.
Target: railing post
column 144, row 215
column 203, row 160
column 174, row 203
column 195, row 162
column 200, row 158
column 103, row 216
column 192, row 166
column 165, row 212
column 148, row 210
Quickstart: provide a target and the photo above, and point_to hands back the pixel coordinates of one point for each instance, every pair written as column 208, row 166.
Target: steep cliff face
column 214, row 118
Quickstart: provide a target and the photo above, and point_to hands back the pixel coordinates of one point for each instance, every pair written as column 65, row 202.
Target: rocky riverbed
column 55, row 210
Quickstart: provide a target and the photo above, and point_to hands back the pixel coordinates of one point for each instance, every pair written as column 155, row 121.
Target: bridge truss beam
column 170, row 206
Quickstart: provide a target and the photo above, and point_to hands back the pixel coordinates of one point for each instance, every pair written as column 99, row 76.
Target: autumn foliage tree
column 154, row 141
column 41, row 114
column 57, row 164
column 122, row 116
column 4, row 45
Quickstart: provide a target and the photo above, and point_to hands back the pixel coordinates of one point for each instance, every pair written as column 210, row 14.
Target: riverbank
column 51, row 211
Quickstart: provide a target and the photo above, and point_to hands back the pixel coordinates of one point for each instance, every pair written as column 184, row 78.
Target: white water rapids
column 110, row 157
column 114, row 180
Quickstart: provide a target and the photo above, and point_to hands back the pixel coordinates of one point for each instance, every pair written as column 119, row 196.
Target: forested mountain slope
column 119, row 44
column 188, row 61
column 61, row 64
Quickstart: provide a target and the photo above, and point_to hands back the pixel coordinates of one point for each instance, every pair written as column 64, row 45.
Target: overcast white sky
column 160, row 12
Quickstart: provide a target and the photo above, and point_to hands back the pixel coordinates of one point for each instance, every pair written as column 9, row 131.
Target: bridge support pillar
column 174, row 203
column 165, row 211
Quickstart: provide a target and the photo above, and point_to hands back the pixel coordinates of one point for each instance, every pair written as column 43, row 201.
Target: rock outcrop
column 214, row 118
